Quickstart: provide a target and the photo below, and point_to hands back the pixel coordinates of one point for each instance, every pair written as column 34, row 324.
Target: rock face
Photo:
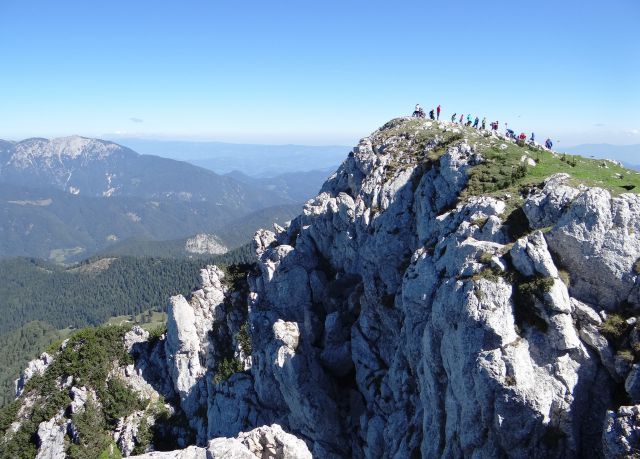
column 51, row 438
column 386, row 321
column 268, row 442
column 399, row 317
column 35, row 367
column 194, row 349
column 205, row 244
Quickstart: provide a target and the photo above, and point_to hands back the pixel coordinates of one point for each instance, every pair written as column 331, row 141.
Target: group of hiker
column 434, row 114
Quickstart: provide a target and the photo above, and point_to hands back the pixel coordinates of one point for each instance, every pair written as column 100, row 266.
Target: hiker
column 548, row 143
column 484, row 123
column 469, row 120
column 453, row 118
column 431, row 114
column 418, row 112
column 522, row 136
column 533, row 138
column 511, row 134
column 461, row 116
column 494, row 125
column 475, row 122
column 438, row 111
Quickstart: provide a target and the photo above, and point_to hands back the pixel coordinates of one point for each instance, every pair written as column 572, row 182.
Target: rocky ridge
column 402, row 315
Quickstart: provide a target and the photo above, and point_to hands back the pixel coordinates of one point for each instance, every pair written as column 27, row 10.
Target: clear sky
column 316, row 72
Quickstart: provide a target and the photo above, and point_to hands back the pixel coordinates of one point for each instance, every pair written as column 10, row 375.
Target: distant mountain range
column 627, row 154
column 65, row 199
column 296, row 186
column 252, row 160
column 98, row 168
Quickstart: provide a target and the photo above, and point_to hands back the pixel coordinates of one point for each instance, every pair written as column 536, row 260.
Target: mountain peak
column 71, row 147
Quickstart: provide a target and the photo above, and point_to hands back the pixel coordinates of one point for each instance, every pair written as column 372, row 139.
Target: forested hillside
column 40, row 301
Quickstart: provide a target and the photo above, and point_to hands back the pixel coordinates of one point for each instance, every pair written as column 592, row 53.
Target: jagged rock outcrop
column 34, row 367
column 377, row 333
column 400, row 315
column 266, row 442
column 621, row 437
column 393, row 319
column 192, row 452
column 51, row 439
column 205, row 244
column 194, row 349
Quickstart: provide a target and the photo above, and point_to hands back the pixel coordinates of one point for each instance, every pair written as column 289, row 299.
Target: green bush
column 565, row 277
column 626, row 354
column 614, row 327
column 526, row 293
column 118, row 400
column 93, row 439
column 88, row 356
column 226, row 368
column 244, row 338
column 8, row 414
column 21, row 444
column 486, row 257
column 491, row 274
column 143, row 437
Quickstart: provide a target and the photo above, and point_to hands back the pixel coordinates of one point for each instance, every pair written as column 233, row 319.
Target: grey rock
column 192, row 452
column 544, row 207
column 189, row 352
column 136, row 335
column 597, row 241
column 632, row 383
column 621, row 435
column 269, row 442
column 79, row 396
column 51, row 438
column 34, row 367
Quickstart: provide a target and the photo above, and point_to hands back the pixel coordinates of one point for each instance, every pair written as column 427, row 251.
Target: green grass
column 502, row 171
column 149, row 320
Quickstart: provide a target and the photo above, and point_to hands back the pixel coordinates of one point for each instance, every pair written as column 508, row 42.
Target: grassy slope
column 498, row 174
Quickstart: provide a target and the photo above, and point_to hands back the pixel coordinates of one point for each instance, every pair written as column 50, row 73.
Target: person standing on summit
column 453, row 118
column 431, row 114
column 484, row 123
column 438, row 112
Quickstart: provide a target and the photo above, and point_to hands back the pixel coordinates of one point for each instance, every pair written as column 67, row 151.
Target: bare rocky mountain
column 420, row 306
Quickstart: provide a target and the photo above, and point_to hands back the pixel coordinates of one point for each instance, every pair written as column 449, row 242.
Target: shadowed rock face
column 391, row 319
column 395, row 319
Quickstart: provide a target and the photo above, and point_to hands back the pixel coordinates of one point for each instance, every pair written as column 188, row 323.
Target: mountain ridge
column 74, row 196
column 448, row 293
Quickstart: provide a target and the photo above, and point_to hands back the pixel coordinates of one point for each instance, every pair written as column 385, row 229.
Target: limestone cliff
column 438, row 298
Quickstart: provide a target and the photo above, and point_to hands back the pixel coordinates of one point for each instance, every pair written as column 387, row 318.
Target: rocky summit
column 449, row 293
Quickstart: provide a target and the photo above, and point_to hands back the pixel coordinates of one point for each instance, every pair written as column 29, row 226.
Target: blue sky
column 316, row 72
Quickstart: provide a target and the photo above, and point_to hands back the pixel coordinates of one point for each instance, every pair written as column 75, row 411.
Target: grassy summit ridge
column 502, row 169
